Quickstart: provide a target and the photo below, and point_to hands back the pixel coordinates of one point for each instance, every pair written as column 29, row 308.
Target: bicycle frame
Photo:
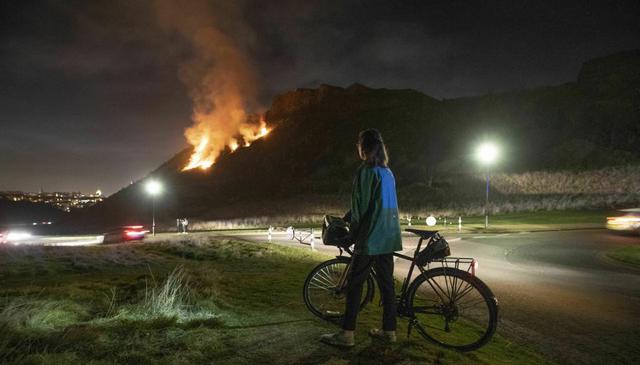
column 447, row 262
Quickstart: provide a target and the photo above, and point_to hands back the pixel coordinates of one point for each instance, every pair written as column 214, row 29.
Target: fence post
column 269, row 234
column 313, row 241
column 459, row 224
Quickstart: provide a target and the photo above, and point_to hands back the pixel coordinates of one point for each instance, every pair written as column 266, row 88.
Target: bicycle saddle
column 423, row 234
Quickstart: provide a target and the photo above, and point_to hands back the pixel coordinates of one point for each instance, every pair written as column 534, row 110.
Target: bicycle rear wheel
column 321, row 294
column 453, row 309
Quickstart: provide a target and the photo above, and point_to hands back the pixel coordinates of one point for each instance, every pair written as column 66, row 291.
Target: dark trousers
column 358, row 273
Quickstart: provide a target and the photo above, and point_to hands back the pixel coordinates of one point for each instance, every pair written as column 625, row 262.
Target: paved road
column 557, row 291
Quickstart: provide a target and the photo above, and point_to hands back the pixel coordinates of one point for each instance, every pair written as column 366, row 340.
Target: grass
column 627, row 254
column 505, row 222
column 187, row 300
column 532, row 221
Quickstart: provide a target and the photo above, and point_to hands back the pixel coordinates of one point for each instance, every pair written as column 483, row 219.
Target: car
column 124, row 234
column 14, row 236
column 627, row 221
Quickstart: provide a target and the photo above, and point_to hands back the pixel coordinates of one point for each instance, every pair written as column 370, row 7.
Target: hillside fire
column 202, row 156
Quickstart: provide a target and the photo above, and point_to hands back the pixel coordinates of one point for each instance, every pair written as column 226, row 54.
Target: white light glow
column 431, row 221
column 18, row 235
column 487, row 153
column 153, row 187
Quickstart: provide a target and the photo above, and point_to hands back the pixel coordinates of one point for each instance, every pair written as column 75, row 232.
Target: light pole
column 153, row 188
column 487, row 154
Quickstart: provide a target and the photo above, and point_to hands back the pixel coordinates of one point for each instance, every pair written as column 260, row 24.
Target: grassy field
column 190, row 301
column 526, row 221
column 628, row 254
column 531, row 221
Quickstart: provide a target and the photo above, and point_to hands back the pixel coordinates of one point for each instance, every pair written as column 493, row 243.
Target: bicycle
column 446, row 305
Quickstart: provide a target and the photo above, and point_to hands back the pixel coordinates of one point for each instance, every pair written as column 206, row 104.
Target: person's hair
column 372, row 145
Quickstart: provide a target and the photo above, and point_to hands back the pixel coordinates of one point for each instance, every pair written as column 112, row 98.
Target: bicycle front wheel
column 322, row 294
column 453, row 308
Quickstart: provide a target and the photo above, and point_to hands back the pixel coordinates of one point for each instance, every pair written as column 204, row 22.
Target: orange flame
column 251, row 133
column 233, row 145
column 203, row 159
column 197, row 158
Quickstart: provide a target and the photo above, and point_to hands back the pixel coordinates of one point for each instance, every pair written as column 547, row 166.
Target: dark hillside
column 306, row 163
column 591, row 123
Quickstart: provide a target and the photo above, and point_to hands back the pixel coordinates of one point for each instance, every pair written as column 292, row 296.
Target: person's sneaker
column 342, row 338
column 386, row 336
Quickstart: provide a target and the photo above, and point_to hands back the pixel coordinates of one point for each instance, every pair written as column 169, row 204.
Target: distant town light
column 487, row 153
column 61, row 200
column 153, row 187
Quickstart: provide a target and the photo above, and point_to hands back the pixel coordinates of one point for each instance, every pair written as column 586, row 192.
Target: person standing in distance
column 375, row 228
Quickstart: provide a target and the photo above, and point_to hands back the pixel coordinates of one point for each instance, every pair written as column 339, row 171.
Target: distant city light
column 153, row 187
column 487, row 153
column 62, row 200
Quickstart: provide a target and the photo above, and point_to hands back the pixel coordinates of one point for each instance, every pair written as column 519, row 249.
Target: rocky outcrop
column 617, row 73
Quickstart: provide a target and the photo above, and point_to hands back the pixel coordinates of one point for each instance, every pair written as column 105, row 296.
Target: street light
column 153, row 188
column 487, row 154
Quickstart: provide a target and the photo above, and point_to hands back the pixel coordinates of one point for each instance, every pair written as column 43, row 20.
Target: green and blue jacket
column 374, row 212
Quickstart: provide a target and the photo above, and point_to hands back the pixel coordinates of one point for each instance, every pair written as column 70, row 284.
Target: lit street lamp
column 487, row 154
column 153, row 188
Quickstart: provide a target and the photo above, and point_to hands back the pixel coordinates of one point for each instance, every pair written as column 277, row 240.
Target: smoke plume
column 219, row 76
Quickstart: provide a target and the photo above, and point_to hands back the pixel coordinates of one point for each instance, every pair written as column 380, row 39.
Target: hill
column 305, row 165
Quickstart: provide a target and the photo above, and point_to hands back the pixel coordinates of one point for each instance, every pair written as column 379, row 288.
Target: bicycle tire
column 335, row 312
column 428, row 323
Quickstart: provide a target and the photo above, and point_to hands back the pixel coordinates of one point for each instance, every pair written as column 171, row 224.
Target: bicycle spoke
column 314, row 286
column 446, row 283
column 322, row 296
column 448, row 309
column 323, row 280
column 441, row 290
column 458, row 287
column 466, row 291
column 474, row 301
column 324, row 273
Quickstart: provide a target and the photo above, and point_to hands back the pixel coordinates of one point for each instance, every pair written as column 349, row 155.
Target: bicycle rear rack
column 455, row 262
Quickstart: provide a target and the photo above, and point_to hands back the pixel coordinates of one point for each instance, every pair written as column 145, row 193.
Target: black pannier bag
column 335, row 231
column 436, row 250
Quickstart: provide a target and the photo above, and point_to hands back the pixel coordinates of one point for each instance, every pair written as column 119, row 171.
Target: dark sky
column 90, row 95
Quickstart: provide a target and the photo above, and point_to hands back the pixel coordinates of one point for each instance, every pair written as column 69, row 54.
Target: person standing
column 375, row 226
